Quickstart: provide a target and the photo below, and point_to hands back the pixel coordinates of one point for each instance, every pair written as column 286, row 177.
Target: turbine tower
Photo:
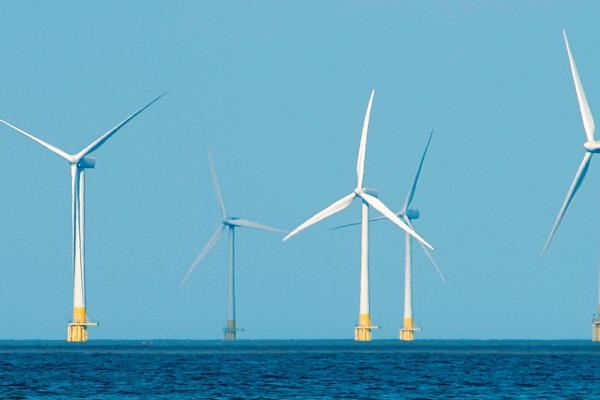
column 79, row 162
column 408, row 215
column 596, row 319
column 362, row 331
column 230, row 223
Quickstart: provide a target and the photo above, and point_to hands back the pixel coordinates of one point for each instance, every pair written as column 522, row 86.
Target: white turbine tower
column 79, row 162
column 591, row 146
column 362, row 331
column 408, row 215
column 230, row 223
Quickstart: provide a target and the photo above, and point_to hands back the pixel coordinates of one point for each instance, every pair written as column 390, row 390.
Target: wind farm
column 232, row 245
column 363, row 330
column 407, row 333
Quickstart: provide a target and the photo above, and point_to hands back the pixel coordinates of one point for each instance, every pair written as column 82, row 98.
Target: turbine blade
column 216, row 186
column 428, row 254
column 102, row 139
column 345, row 226
column 360, row 162
column 382, row 208
column 50, row 147
column 583, row 167
column 207, row 247
column 584, row 108
column 332, row 209
column 356, row 223
column 251, row 224
column 413, row 187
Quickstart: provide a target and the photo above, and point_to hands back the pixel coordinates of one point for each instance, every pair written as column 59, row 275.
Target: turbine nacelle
column 592, row 146
column 229, row 221
column 411, row 214
column 86, row 162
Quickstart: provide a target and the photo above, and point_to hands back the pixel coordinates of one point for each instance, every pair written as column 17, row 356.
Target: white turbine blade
column 583, row 167
column 584, row 108
column 332, row 209
column 345, row 225
column 102, row 139
column 428, row 254
column 382, row 208
column 217, row 187
column 207, row 247
column 251, row 224
column 413, row 187
column 356, row 223
column 50, row 147
column 360, row 162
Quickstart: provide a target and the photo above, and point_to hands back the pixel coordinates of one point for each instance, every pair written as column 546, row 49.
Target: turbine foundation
column 362, row 332
column 407, row 333
column 77, row 328
column 596, row 330
column 230, row 330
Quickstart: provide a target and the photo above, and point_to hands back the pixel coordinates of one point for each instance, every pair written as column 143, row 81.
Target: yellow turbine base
column 362, row 333
column 230, row 330
column 407, row 333
column 77, row 329
column 77, row 333
column 596, row 331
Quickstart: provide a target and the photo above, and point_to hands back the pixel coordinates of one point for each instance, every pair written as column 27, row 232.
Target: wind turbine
column 79, row 162
column 408, row 215
column 596, row 319
column 362, row 331
column 591, row 146
column 230, row 223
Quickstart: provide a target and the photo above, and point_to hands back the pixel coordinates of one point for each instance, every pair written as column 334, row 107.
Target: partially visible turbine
column 363, row 330
column 230, row 223
column 408, row 215
column 79, row 162
column 591, row 146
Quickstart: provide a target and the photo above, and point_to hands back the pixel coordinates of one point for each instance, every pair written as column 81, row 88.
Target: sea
column 303, row 369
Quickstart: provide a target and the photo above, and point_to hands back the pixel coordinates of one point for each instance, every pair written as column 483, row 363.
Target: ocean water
column 328, row 369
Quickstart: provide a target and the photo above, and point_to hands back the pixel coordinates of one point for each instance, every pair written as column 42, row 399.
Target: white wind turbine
column 591, row 145
column 230, row 223
column 363, row 329
column 79, row 162
column 408, row 215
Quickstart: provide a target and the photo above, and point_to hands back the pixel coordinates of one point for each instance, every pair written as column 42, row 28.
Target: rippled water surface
column 300, row 369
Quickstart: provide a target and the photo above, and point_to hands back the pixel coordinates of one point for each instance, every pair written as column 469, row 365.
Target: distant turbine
column 408, row 215
column 596, row 320
column 229, row 223
column 79, row 162
column 362, row 331
column 591, row 145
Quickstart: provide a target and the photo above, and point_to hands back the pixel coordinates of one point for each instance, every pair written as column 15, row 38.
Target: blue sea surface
column 329, row 369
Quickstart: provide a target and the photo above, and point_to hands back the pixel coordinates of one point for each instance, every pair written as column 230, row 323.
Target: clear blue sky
column 278, row 91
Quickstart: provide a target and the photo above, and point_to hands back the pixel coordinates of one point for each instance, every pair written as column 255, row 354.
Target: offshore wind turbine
column 230, row 223
column 591, row 146
column 362, row 331
column 408, row 215
column 79, row 162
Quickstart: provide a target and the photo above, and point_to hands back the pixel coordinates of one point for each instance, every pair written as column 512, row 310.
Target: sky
column 278, row 91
